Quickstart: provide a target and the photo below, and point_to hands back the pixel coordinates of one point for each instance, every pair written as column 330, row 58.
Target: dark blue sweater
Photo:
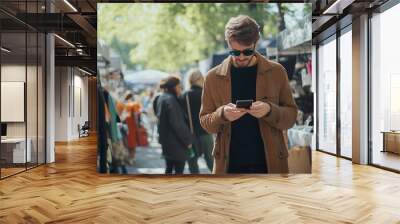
column 247, row 153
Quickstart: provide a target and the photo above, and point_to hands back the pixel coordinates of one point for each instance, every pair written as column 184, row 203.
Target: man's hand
column 231, row 113
column 259, row 109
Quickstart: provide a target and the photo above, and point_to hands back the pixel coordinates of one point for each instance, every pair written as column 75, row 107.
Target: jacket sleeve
column 211, row 117
column 178, row 123
column 282, row 116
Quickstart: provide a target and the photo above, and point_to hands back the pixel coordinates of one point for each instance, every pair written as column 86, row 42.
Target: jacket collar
column 263, row 65
column 195, row 87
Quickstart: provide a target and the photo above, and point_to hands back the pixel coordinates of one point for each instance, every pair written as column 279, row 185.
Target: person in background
column 146, row 98
column 119, row 154
column 132, row 109
column 154, row 107
column 151, row 117
column 191, row 102
column 156, row 98
column 120, row 108
column 174, row 134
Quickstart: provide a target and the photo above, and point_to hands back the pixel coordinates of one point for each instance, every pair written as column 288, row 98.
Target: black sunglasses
column 246, row 52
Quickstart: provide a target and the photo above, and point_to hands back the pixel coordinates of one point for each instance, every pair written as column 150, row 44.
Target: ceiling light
column 332, row 8
column 5, row 49
column 70, row 5
column 84, row 71
column 64, row 40
column 79, row 51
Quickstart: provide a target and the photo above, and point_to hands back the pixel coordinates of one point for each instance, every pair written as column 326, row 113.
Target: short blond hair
column 242, row 29
column 195, row 77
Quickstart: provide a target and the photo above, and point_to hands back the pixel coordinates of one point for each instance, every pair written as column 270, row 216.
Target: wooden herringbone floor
column 70, row 191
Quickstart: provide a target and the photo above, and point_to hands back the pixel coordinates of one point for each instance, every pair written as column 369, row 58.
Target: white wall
column 33, row 126
column 71, row 94
column 10, row 73
column 61, row 103
column 81, row 100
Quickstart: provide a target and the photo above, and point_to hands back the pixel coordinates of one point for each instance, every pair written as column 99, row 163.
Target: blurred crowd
column 162, row 116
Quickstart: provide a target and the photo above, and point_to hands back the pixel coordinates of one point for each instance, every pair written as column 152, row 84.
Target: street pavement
column 148, row 160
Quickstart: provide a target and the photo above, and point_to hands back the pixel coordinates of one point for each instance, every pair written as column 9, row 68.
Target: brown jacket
column 272, row 87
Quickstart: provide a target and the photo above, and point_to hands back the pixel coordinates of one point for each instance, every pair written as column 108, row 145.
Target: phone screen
column 244, row 104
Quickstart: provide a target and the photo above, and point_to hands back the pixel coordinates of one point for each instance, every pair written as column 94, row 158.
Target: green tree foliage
column 174, row 36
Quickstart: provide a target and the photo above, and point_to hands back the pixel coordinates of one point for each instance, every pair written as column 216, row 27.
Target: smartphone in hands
column 245, row 104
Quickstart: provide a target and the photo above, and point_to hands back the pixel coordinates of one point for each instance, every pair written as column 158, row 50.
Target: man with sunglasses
column 248, row 140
